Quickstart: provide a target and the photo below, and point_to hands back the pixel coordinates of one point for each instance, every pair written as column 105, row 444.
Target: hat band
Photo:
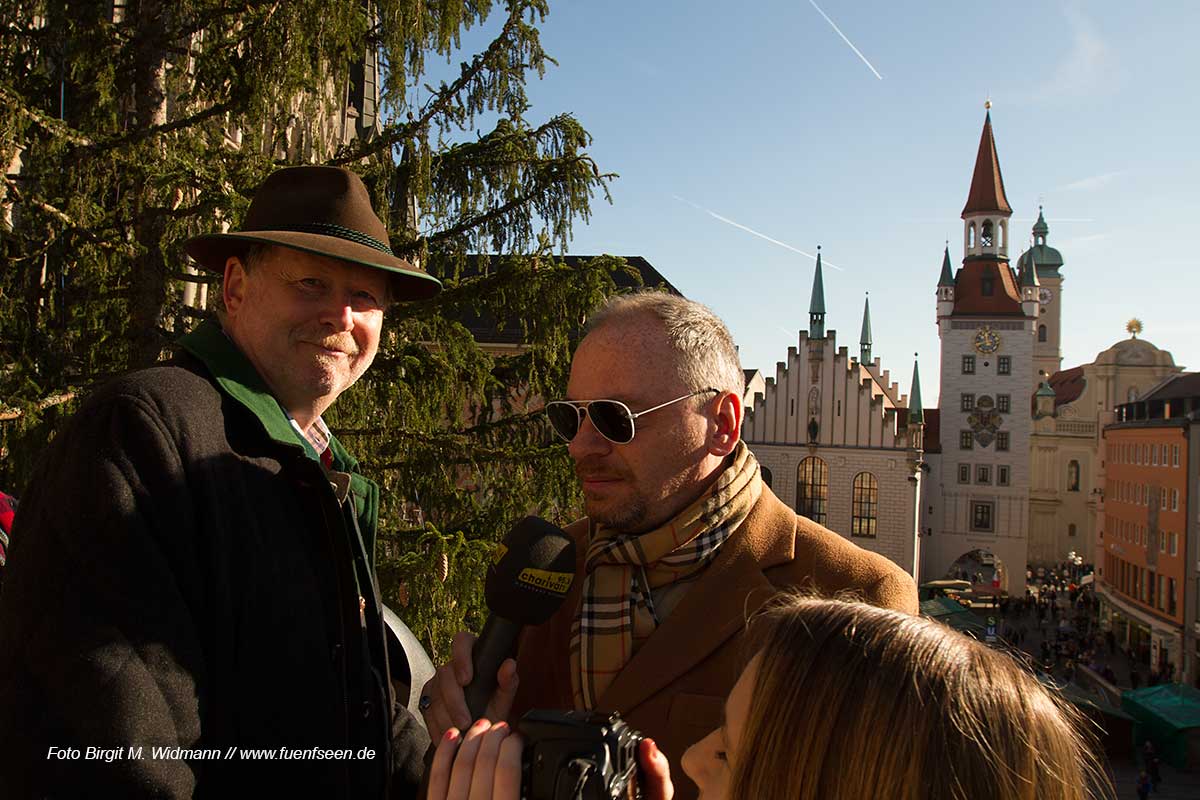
column 338, row 232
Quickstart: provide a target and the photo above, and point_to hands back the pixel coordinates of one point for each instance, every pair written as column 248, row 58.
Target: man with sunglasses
column 682, row 540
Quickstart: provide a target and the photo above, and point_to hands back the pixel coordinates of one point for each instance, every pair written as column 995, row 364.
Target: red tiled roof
column 1067, row 384
column 987, row 184
column 968, row 288
column 933, row 430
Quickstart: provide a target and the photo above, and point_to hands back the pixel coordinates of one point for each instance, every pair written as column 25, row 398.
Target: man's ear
column 726, row 430
column 234, row 288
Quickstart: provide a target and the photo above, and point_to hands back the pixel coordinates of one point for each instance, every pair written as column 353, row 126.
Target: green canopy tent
column 952, row 613
column 1169, row 716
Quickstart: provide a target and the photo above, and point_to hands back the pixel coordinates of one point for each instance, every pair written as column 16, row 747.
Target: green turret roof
column 817, row 304
column 865, row 338
column 1040, row 228
column 915, row 412
column 947, row 278
column 1048, row 259
column 1044, row 390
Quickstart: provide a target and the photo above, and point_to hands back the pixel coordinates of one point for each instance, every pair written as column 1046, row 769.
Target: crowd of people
column 222, row 597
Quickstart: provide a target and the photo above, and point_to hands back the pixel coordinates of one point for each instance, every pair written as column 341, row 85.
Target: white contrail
column 753, row 232
column 838, row 31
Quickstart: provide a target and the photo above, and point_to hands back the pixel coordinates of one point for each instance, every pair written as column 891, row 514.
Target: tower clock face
column 1045, row 296
column 987, row 340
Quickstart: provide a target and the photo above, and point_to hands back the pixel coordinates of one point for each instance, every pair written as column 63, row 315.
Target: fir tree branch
column 142, row 134
column 51, row 125
column 438, row 104
column 8, row 414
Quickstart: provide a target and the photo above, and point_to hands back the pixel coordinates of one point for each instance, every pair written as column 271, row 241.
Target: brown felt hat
column 321, row 210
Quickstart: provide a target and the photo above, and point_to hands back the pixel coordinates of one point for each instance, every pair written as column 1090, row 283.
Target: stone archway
column 986, row 572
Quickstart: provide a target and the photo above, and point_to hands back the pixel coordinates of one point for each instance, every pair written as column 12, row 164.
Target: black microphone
column 529, row 577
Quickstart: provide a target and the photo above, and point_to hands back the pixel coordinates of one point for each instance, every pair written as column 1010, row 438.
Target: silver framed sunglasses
column 612, row 419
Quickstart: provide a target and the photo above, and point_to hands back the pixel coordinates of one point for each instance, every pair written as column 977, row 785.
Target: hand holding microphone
column 528, row 580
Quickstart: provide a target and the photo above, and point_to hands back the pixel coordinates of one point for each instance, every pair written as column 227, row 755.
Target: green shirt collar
column 238, row 378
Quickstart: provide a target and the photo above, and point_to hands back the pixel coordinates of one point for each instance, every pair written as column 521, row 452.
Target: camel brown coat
column 674, row 687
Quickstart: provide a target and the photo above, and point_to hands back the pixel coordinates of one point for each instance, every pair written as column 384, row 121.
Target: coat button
column 335, row 652
column 366, row 709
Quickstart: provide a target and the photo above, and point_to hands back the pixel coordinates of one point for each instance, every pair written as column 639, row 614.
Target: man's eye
column 311, row 283
column 720, row 754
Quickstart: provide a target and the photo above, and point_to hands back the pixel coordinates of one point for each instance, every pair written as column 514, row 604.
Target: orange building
column 1146, row 550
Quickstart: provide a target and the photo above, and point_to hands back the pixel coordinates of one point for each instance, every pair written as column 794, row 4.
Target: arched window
column 865, row 505
column 1071, row 529
column 971, row 235
column 987, row 284
column 1003, row 234
column 812, row 489
column 1073, row 476
column 766, row 475
column 1041, row 333
column 1041, row 240
column 986, row 234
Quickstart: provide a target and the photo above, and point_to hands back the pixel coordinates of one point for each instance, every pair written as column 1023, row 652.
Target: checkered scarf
column 616, row 612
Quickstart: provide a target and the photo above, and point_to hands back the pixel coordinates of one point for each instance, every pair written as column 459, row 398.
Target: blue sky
column 765, row 116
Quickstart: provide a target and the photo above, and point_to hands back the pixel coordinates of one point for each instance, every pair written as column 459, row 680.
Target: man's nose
column 338, row 314
column 587, row 441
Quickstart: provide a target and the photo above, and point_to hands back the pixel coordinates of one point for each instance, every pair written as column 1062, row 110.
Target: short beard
column 629, row 518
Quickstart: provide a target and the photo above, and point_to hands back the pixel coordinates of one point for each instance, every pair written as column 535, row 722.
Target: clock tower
column 978, row 504
column 1047, row 261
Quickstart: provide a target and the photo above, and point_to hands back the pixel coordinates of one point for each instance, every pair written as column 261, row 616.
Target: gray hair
column 707, row 355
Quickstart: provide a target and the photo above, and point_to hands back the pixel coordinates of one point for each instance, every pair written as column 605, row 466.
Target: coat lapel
column 715, row 608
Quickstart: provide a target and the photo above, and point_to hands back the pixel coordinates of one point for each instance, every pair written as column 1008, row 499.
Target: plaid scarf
column 616, row 612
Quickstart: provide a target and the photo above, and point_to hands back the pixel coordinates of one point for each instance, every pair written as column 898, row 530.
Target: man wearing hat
column 190, row 607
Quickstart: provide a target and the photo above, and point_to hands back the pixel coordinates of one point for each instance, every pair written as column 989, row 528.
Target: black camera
column 577, row 755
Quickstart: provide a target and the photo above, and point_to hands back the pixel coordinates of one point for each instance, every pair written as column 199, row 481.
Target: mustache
column 590, row 468
column 343, row 343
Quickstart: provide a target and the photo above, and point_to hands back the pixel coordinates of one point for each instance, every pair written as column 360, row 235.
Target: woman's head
column 845, row 700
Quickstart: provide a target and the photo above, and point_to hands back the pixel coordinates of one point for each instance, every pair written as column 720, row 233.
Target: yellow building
column 1067, row 470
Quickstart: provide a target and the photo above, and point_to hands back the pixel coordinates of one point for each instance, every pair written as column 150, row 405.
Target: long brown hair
column 852, row 702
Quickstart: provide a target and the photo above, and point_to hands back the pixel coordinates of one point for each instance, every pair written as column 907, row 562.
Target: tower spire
column 1029, row 276
column 947, row 278
column 864, row 341
column 816, row 306
column 916, row 414
column 987, row 184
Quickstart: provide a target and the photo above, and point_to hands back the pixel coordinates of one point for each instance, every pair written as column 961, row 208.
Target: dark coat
column 183, row 575
column 674, row 688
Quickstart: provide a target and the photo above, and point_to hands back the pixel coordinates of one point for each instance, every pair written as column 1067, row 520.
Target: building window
column 1071, row 529
column 964, row 473
column 1174, row 543
column 1171, row 596
column 983, row 474
column 987, row 286
column 966, row 440
column 865, row 505
column 968, row 401
column 1174, row 499
column 1004, row 365
column 1162, row 499
column 1154, row 455
column 1003, row 403
column 1002, row 476
column 1162, row 542
column 766, row 475
column 981, row 516
column 1041, row 333
column 1002, row 440
column 971, row 235
column 1175, row 455
column 986, row 234
column 1073, row 476
column 812, row 489
column 968, row 365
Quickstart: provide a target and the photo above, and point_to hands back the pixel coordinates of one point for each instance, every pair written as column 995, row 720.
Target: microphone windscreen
column 531, row 572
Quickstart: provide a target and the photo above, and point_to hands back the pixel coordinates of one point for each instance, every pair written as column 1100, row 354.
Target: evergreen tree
column 134, row 125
